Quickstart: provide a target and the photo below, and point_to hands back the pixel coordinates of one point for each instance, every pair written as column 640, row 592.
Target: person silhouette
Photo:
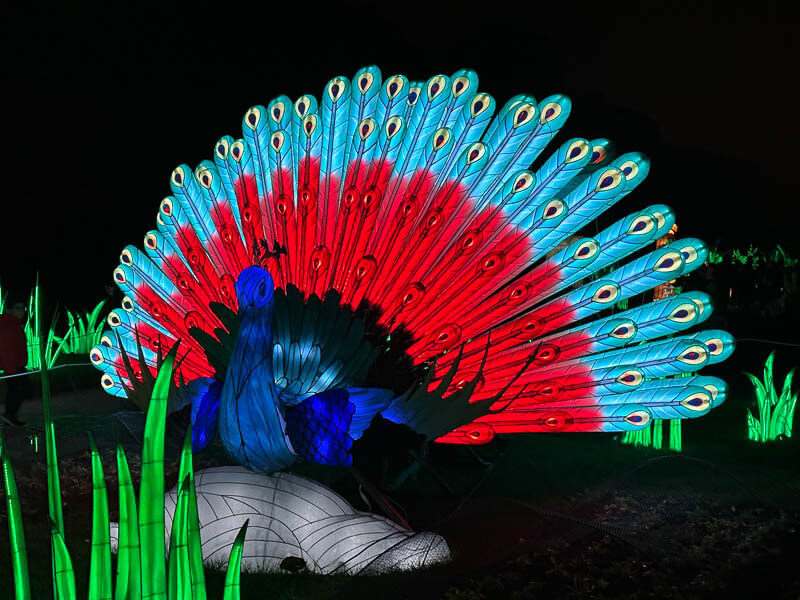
column 13, row 357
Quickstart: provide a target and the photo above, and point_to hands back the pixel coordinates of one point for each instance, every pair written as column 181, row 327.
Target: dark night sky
column 102, row 103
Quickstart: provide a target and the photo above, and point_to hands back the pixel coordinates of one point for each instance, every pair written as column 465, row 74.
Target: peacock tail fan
column 411, row 250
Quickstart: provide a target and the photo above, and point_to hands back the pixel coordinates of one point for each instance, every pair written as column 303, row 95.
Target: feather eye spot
column 694, row 355
column 393, row 86
column 715, row 346
column 475, row 152
column 336, row 89
column 689, row 254
column 577, row 151
column 435, row 87
column 177, row 177
column 638, row 417
column 553, row 209
column 549, row 112
column 412, row 294
column 670, row 261
column 277, row 111
column 237, row 151
column 365, row 82
column 524, row 114
column 222, row 150
column 606, row 293
column 460, row 85
column 413, row 96
column 586, row 249
column 277, row 140
column 365, row 268
column 609, row 180
column 309, row 124
column 252, row 118
column 523, row 181
column 642, row 225
column 119, row 275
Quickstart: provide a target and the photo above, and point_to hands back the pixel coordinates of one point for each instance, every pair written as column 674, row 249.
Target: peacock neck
column 251, row 423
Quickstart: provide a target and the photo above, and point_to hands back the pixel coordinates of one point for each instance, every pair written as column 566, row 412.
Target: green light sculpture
column 129, row 572
column 16, row 533
column 141, row 573
column 100, row 566
column 233, row 573
column 151, row 489
column 775, row 411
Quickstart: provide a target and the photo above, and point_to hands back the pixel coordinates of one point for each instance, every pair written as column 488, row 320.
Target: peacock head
column 254, row 288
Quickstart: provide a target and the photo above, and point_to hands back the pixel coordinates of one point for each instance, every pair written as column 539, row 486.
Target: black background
column 101, row 102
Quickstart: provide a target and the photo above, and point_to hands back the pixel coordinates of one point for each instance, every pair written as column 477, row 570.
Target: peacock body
column 410, row 219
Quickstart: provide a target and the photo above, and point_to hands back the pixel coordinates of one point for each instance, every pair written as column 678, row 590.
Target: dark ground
column 557, row 516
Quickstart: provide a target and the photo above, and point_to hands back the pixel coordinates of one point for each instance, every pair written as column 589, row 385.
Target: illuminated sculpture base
column 292, row 517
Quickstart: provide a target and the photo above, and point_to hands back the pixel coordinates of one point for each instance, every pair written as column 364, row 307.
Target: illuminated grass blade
column 128, row 563
column 16, row 534
column 675, row 435
column 100, row 565
column 180, row 580
column 233, row 573
column 775, row 411
column 151, row 490
column 193, row 522
column 63, row 575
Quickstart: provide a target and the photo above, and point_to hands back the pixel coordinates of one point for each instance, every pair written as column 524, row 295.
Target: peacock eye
column 684, row 313
column 178, row 177
column 629, row 169
column 555, row 208
column 606, row 293
column 586, row 250
column 366, row 128
column 365, row 81
column 301, row 106
column 713, row 390
column 475, row 152
column 253, row 117
column 523, row 181
column 460, row 85
column 576, row 151
column 237, row 151
column 689, row 254
column 641, row 225
column 715, row 346
column 694, row 355
column 549, row 112
column 413, row 95
column 440, row 138
column 632, row 378
column 392, row 126
column 524, row 113
column 638, row 417
column 276, row 111
column 698, row 401
column 277, row 141
column 394, row 86
column 204, row 176
column 609, row 179
column 479, row 104
column 336, row 89
column 435, row 86
column 222, row 149
column 309, row 124
column 670, row 261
